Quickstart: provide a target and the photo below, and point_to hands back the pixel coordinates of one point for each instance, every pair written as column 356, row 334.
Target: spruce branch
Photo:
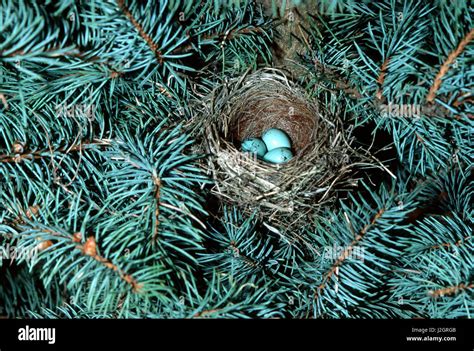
column 450, row 245
column 156, row 224
column 219, row 37
column 89, row 248
column 26, row 154
column 4, row 101
column 346, row 253
column 446, row 65
column 146, row 37
column 381, row 78
column 115, row 203
column 451, row 290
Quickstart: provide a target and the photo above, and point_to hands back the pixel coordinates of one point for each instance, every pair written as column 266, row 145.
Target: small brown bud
column 32, row 211
column 18, row 147
column 90, row 247
column 77, row 237
column 44, row 245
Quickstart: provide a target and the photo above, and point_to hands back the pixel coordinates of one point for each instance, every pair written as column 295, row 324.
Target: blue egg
column 278, row 155
column 274, row 138
column 255, row 146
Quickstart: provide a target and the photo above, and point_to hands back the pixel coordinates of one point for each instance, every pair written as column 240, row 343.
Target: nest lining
column 246, row 107
column 256, row 111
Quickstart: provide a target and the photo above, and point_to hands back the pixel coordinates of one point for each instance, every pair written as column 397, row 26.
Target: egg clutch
column 273, row 147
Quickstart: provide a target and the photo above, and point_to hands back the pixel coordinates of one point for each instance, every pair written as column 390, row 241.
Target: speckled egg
column 275, row 138
column 278, row 155
column 255, row 146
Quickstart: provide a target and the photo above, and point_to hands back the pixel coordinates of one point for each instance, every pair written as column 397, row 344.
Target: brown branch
column 457, row 243
column 432, row 207
column 222, row 37
column 451, row 290
column 347, row 252
column 77, row 53
column 236, row 32
column 381, row 78
column 50, row 52
column 157, row 183
column 89, row 248
column 338, row 80
column 247, row 260
column 445, row 67
column 32, row 155
column 204, row 313
column 468, row 98
column 153, row 46
column 4, row 101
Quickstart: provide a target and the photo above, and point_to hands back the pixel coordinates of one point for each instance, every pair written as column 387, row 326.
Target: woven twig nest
column 246, row 107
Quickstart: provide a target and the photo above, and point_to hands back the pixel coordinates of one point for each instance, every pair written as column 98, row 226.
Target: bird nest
column 246, row 107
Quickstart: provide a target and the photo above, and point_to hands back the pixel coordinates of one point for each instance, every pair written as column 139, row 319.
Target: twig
column 31, row 155
column 157, row 183
column 457, row 243
column 153, row 46
column 4, row 101
column 347, row 253
column 445, row 67
column 89, row 248
column 220, row 37
column 381, row 78
column 451, row 290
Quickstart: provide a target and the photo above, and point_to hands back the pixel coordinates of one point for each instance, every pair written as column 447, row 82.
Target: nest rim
column 322, row 162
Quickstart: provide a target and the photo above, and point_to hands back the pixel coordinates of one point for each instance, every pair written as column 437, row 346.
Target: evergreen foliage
column 104, row 208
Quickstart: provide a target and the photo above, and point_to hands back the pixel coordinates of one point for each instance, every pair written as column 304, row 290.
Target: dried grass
column 289, row 192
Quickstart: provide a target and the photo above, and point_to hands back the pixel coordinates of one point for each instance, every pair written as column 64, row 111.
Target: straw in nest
column 246, row 107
